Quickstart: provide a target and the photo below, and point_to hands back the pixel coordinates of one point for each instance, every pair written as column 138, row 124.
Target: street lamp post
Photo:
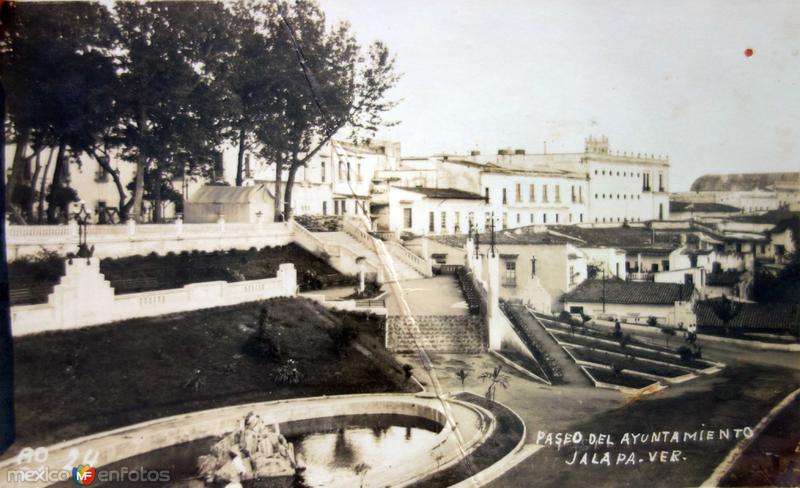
column 82, row 219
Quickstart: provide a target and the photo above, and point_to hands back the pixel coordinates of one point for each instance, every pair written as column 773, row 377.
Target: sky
column 657, row 77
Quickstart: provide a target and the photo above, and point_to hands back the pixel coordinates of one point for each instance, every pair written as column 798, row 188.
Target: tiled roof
column 724, row 278
column 621, row 237
column 518, row 236
column 701, row 207
column 775, row 316
column 792, row 224
column 629, row 292
column 742, row 181
column 443, row 193
column 771, row 217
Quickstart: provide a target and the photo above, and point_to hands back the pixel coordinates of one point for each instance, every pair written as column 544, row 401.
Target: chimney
column 475, row 153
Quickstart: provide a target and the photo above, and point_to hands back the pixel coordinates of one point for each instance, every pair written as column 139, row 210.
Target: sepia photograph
column 428, row 244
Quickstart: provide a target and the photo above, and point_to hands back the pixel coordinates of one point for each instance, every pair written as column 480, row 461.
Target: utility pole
column 491, row 242
column 604, row 289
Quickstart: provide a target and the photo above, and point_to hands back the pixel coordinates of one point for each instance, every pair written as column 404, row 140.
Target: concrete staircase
column 437, row 333
column 403, row 271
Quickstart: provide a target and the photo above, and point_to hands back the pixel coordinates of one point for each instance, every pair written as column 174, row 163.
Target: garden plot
column 624, row 363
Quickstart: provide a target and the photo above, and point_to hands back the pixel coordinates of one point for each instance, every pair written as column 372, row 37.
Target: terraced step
column 437, row 333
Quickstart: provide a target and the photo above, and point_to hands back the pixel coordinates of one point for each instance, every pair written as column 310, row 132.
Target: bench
column 29, row 294
column 135, row 284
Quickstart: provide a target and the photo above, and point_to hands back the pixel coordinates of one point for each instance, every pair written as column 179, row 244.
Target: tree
column 57, row 69
column 169, row 109
column 462, row 375
column 725, row 310
column 495, row 377
column 248, row 77
column 325, row 85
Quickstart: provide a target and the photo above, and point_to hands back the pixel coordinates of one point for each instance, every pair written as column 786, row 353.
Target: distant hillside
column 744, row 181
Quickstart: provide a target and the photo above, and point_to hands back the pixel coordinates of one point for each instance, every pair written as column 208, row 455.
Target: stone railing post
column 179, row 224
column 131, row 223
column 288, row 276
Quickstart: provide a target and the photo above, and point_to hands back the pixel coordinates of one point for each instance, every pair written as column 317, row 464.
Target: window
column 580, row 194
column 322, row 171
column 457, row 222
column 324, row 208
column 486, row 192
column 336, row 207
column 348, row 170
column 432, row 222
column 581, row 218
column 572, row 275
column 341, row 170
column 533, row 266
column 444, row 222
column 558, row 193
column 505, row 220
column 556, row 218
column 544, row 194
column 532, row 193
column 407, row 222
column 531, row 218
column 574, row 196
column 518, row 196
column 359, row 177
column 570, row 217
column 344, row 206
column 544, row 218
column 510, row 275
column 519, row 217
column 665, row 265
column 505, row 197
column 654, row 268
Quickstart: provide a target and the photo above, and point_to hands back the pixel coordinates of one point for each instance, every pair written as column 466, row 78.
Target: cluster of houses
column 594, row 231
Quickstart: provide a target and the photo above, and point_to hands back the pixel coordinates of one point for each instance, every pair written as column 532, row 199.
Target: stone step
column 436, row 333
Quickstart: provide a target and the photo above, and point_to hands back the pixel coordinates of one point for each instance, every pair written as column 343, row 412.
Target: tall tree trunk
column 287, row 196
column 57, row 183
column 240, row 158
column 43, row 187
column 278, row 193
column 18, row 163
column 32, row 185
column 141, row 166
column 124, row 204
column 157, row 210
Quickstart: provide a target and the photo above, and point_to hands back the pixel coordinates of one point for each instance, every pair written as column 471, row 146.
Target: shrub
column 686, row 354
column 288, row 373
column 342, row 337
column 408, row 370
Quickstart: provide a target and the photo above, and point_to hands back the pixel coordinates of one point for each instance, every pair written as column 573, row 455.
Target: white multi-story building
column 337, row 180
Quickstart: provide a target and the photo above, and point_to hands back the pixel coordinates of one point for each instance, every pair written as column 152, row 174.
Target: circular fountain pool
column 330, row 449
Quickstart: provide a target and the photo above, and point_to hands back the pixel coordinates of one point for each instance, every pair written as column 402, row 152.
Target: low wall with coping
column 84, row 297
column 132, row 239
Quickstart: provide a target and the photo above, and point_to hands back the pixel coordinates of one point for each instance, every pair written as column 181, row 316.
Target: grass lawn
column 738, row 396
column 132, row 274
column 621, row 379
column 82, row 381
column 773, row 458
column 600, row 357
column 656, row 355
